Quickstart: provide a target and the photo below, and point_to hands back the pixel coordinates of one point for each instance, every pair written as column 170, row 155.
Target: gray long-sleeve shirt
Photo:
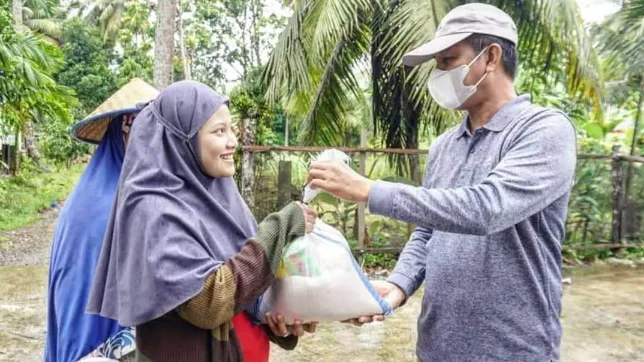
column 490, row 216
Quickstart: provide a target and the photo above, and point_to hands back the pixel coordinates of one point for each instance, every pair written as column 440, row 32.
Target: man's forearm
column 410, row 268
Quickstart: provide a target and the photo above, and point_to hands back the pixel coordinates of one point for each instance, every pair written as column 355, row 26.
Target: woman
column 182, row 254
column 71, row 333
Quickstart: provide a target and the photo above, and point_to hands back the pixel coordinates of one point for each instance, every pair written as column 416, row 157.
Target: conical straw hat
column 92, row 129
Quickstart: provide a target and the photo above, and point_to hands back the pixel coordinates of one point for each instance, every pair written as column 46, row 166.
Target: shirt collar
column 501, row 118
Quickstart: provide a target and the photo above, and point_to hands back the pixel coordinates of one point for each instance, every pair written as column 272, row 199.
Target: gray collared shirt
column 490, row 216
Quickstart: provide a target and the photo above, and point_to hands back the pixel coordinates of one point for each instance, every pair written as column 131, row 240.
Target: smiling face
column 217, row 143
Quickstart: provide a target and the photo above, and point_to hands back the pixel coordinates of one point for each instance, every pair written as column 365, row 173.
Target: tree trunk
column 248, row 163
column 164, row 43
column 17, row 13
column 28, row 125
column 30, row 142
column 257, row 10
column 185, row 62
column 634, row 145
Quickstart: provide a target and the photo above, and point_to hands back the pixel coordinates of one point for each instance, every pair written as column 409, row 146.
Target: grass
column 24, row 196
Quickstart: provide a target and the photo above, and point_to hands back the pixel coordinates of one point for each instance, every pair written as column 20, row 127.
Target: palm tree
column 107, row 14
column 164, row 42
column 326, row 44
column 621, row 39
column 41, row 16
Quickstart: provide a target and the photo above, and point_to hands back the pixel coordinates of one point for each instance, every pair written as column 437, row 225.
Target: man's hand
column 310, row 216
column 339, row 180
column 279, row 328
column 390, row 292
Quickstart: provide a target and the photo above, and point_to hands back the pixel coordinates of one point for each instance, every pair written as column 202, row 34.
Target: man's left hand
column 340, row 180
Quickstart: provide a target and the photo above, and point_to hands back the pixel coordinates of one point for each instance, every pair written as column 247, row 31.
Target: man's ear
column 495, row 54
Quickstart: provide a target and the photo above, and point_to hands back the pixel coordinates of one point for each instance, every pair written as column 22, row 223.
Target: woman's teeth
column 227, row 157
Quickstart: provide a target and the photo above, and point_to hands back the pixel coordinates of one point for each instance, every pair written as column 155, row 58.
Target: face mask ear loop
column 479, row 82
column 478, row 56
column 472, row 62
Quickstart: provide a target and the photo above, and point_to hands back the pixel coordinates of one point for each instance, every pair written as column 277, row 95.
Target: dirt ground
column 603, row 314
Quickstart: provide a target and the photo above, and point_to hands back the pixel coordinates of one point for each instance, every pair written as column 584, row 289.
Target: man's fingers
column 320, row 165
column 312, row 327
column 316, row 174
column 319, row 184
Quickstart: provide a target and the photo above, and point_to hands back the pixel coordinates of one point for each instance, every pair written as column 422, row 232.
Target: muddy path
column 603, row 313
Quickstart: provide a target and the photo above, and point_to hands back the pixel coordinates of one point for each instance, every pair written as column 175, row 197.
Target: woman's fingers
column 298, row 330
column 281, row 326
column 310, row 216
column 272, row 324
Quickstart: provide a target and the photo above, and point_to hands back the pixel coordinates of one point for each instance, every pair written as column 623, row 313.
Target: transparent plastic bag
column 326, row 155
column 318, row 279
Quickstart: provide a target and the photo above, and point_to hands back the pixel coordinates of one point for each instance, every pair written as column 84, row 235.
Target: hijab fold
column 171, row 225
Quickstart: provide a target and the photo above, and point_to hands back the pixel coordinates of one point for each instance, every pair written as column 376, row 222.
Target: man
column 492, row 211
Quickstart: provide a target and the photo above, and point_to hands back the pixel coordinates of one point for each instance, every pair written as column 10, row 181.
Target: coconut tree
column 42, row 16
column 107, row 14
column 327, row 44
column 164, row 42
column 621, row 41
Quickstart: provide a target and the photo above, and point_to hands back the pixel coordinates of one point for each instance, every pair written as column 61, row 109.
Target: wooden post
column 6, row 160
column 284, row 184
column 362, row 164
column 617, row 176
column 286, row 126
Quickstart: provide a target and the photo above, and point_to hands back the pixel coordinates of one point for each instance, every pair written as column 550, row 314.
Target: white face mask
column 447, row 87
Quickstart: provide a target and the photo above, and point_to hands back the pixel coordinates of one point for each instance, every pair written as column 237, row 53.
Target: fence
column 605, row 209
column 8, row 156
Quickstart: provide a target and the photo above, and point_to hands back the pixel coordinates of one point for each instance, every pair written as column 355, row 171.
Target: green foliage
column 328, row 49
column 136, row 38
column 227, row 34
column 86, row 68
column 27, row 89
column 247, row 102
column 386, row 261
column 58, row 144
column 22, row 197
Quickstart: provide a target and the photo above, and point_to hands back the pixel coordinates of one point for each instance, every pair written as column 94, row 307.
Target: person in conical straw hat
column 71, row 333
column 492, row 211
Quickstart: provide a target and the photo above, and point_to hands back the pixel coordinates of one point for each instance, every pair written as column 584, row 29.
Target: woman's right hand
column 310, row 216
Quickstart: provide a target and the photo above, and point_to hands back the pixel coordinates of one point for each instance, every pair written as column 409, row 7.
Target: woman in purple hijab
column 182, row 253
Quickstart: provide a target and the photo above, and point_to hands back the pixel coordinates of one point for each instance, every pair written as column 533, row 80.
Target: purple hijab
column 171, row 225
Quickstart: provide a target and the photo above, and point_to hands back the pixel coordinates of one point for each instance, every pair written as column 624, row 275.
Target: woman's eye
column 219, row 131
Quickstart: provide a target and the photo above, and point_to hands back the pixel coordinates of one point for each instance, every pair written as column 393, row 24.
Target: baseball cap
column 461, row 22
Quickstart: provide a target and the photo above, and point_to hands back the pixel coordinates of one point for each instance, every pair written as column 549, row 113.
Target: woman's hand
column 310, row 215
column 279, row 328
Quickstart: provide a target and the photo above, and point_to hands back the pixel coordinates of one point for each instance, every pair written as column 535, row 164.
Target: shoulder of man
column 537, row 116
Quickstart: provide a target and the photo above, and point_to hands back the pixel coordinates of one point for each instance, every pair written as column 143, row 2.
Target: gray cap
column 460, row 23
